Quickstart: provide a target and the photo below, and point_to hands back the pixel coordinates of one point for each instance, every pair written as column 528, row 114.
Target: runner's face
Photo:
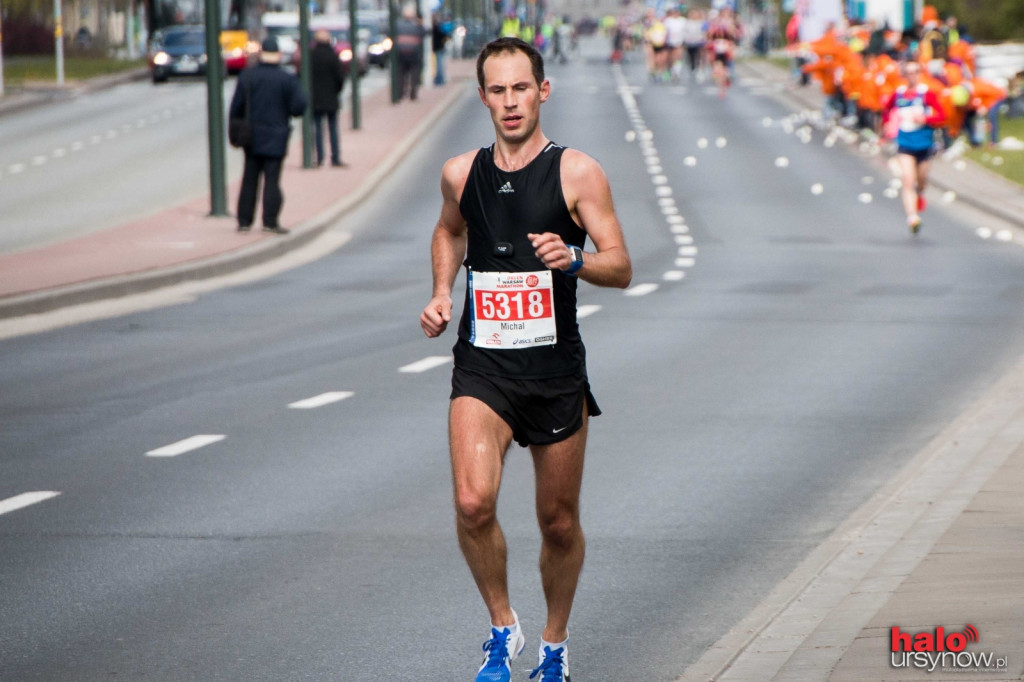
column 513, row 96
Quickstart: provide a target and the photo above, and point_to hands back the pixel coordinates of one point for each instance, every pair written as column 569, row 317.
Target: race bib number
column 512, row 310
column 909, row 116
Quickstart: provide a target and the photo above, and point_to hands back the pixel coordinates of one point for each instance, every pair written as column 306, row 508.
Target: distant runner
column 517, row 214
column 918, row 113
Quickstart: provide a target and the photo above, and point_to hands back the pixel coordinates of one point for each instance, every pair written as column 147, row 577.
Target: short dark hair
column 510, row 45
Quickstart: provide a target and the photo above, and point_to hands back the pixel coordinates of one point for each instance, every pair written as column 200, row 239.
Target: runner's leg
column 479, row 438
column 559, row 474
column 908, row 167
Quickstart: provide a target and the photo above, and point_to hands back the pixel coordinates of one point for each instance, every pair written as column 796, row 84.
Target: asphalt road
column 111, row 156
column 802, row 349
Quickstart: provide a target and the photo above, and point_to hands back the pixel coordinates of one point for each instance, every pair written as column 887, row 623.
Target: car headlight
column 376, row 49
column 202, row 59
column 387, row 43
column 345, row 55
column 161, row 58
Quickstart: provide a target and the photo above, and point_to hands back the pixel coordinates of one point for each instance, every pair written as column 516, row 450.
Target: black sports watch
column 576, row 254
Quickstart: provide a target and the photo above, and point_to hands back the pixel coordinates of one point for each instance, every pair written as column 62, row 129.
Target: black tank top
column 504, row 206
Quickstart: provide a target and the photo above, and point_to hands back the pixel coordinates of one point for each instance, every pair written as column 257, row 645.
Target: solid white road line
column 586, row 310
column 321, row 400
column 25, row 500
column 425, row 364
column 641, row 289
column 187, row 445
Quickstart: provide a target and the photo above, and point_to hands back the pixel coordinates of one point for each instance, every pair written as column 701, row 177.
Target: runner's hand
column 435, row 317
column 551, row 250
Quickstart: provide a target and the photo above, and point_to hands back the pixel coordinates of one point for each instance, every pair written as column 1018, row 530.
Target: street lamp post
column 353, row 34
column 58, row 36
column 215, row 111
column 306, row 77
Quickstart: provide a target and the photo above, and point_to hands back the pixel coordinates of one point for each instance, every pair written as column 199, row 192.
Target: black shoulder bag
column 240, row 129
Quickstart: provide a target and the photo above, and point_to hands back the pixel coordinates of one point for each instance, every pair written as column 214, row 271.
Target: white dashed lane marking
column 25, row 500
column 187, row 445
column 586, row 310
column 321, row 400
column 641, row 289
column 425, row 364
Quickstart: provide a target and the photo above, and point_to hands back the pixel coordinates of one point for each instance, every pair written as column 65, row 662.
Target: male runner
column 919, row 113
column 519, row 212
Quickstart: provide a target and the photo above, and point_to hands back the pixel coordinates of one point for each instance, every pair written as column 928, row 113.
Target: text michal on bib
column 511, row 310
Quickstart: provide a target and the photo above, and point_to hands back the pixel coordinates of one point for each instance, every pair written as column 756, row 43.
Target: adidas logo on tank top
column 506, row 189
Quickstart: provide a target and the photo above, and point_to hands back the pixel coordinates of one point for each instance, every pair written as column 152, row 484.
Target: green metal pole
column 306, row 76
column 396, row 91
column 353, row 34
column 215, row 110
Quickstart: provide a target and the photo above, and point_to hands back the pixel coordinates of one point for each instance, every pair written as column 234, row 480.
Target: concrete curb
column 15, row 102
column 245, row 257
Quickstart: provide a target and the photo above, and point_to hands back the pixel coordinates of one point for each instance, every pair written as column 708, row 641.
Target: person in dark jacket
column 273, row 96
column 328, row 81
column 409, row 44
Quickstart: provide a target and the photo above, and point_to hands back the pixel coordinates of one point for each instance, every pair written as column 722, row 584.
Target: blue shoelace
column 496, row 648
column 551, row 667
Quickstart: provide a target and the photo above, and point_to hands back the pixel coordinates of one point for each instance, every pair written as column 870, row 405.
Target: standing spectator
column 440, row 32
column 272, row 96
column 328, row 81
column 409, row 41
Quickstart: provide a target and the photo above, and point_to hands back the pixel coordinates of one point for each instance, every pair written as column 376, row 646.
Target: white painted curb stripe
column 25, row 500
column 321, row 400
column 425, row 364
column 187, row 445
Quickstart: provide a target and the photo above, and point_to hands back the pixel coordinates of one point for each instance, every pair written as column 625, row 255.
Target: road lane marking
column 59, row 152
column 586, row 310
column 673, row 275
column 321, row 400
column 641, row 289
column 187, row 445
column 425, row 364
column 685, row 262
column 16, row 168
column 39, row 160
column 25, row 500
column 687, row 250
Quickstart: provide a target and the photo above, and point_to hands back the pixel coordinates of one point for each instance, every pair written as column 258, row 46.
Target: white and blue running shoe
column 499, row 652
column 554, row 665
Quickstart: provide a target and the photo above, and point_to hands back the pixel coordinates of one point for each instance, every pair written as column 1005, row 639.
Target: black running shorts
column 539, row 411
column 921, row 155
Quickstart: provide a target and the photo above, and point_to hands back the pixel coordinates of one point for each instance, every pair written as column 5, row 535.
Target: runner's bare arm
column 589, row 199
column 448, row 246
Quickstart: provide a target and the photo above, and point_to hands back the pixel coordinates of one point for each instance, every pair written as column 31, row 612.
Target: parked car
column 177, row 51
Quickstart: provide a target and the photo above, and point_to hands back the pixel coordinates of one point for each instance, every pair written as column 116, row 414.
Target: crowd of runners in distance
column 697, row 42
column 861, row 67
column 918, row 88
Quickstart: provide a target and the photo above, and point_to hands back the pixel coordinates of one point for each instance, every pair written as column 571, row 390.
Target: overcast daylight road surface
column 780, row 354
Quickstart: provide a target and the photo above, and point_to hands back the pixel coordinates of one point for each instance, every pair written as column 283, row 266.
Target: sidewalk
column 940, row 546
column 184, row 243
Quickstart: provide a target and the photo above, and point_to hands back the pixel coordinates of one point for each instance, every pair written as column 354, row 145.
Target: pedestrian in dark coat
column 273, row 97
column 409, row 45
column 328, row 81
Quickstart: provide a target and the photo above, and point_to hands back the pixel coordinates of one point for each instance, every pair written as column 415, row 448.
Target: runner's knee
column 475, row 510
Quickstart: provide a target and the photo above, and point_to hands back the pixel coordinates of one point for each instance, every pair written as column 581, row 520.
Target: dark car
column 177, row 51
